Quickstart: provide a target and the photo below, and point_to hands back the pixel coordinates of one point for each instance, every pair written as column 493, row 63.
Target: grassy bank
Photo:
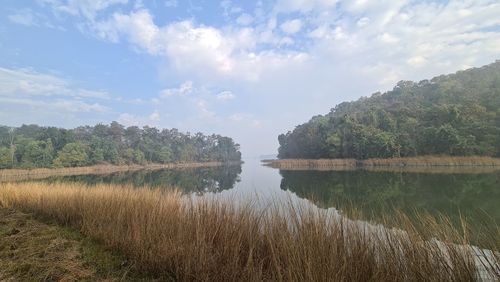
column 431, row 162
column 40, row 250
column 39, row 173
column 170, row 237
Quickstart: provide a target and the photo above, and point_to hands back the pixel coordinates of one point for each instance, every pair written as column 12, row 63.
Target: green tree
column 5, row 158
column 71, row 155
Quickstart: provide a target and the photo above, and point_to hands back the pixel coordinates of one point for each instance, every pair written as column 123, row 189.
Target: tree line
column 457, row 114
column 33, row 146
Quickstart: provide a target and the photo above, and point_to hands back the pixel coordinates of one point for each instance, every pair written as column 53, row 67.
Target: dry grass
column 433, row 161
column 40, row 173
column 213, row 240
column 423, row 162
column 39, row 250
column 319, row 164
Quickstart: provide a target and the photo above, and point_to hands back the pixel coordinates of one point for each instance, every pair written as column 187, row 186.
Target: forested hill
column 35, row 146
column 457, row 114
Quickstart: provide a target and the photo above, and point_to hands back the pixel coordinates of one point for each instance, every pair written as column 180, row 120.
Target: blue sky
column 247, row 69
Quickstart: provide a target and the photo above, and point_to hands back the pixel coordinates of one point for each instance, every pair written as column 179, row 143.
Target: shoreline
column 411, row 163
column 36, row 173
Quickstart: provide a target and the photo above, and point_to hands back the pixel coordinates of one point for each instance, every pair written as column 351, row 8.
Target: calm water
column 452, row 194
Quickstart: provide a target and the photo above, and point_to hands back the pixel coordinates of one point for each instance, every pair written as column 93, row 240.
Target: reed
column 409, row 162
column 39, row 173
column 178, row 238
column 433, row 161
column 318, row 164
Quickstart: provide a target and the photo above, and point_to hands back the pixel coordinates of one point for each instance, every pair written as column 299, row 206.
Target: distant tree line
column 457, row 114
column 32, row 146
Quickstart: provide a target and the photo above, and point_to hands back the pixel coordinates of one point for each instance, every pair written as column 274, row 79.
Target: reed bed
column 432, row 161
column 410, row 162
column 318, row 164
column 40, row 173
column 178, row 238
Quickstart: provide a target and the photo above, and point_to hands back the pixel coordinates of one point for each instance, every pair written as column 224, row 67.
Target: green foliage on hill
column 32, row 146
column 457, row 114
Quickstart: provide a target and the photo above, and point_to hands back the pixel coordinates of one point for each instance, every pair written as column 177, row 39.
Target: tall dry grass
column 430, row 162
column 175, row 238
column 40, row 173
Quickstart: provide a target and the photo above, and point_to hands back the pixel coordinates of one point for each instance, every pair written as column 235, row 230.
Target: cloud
column 30, row 18
column 202, row 50
column 27, row 82
column 225, row 96
column 291, row 26
column 83, row 8
column 183, row 90
column 23, row 17
column 28, row 96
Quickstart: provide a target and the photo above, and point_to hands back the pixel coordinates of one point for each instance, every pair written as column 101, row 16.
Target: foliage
column 37, row 146
column 5, row 160
column 72, row 154
column 457, row 114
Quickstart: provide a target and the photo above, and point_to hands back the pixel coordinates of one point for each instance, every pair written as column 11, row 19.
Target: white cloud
column 28, row 17
column 128, row 119
column 184, row 89
column 84, row 8
column 27, row 82
column 202, row 50
column 291, row 26
column 28, row 96
column 225, row 96
column 59, row 105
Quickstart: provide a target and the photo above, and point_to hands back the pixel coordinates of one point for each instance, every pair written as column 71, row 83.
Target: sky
column 246, row 69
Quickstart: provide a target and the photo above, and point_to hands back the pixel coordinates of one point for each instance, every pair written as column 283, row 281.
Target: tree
column 457, row 114
column 71, row 155
column 5, row 158
column 36, row 146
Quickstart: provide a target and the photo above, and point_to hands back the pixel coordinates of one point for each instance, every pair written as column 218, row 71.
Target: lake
column 456, row 194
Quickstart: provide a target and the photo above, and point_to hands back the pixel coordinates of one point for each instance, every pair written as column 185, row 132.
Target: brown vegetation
column 413, row 162
column 40, row 173
column 176, row 238
column 40, row 250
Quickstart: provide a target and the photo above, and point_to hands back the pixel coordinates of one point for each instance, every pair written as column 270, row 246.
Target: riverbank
column 166, row 236
column 418, row 163
column 39, row 173
column 33, row 249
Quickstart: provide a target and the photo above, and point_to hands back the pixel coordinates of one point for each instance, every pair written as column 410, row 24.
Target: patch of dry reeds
column 186, row 239
column 432, row 161
column 319, row 164
column 40, row 173
column 381, row 164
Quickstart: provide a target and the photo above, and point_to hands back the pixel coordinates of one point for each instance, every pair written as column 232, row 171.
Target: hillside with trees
column 456, row 115
column 31, row 146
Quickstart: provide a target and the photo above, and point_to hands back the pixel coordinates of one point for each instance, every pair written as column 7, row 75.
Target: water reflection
column 372, row 192
column 196, row 180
